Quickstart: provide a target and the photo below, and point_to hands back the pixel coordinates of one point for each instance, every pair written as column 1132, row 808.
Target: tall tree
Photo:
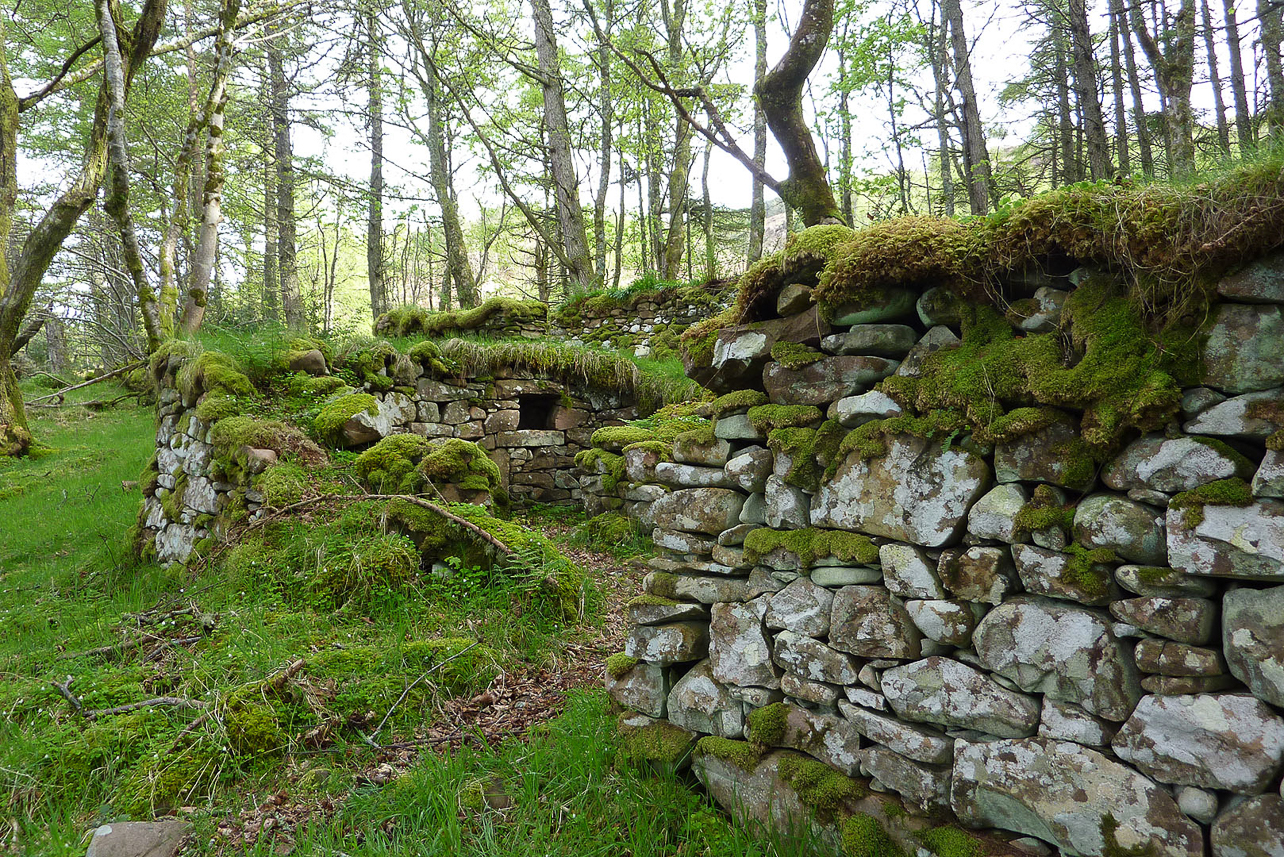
column 1171, row 52
column 1214, row 79
column 1239, row 91
column 976, row 157
column 1270, row 15
column 1134, row 84
column 283, row 156
column 1122, row 148
column 374, row 218
column 757, row 205
column 1084, row 67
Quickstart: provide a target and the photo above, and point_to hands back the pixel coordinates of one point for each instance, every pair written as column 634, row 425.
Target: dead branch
column 65, row 690
column 411, row 686
column 112, row 374
column 154, row 702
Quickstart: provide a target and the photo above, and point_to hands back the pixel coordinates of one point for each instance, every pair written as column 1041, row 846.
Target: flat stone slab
column 138, row 839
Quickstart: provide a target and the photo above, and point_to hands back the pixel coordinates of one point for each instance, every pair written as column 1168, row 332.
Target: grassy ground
column 441, row 718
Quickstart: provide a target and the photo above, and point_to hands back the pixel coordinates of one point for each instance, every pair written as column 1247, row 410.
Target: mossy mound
column 328, row 424
column 660, row 745
column 232, row 436
column 496, row 314
column 409, row 464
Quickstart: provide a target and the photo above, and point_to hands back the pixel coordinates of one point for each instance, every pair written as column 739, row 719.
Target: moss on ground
column 811, row 544
column 1223, row 492
column 950, row 841
column 864, row 836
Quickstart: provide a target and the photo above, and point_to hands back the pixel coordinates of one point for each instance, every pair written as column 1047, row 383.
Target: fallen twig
column 154, row 702
column 65, row 690
column 112, row 374
column 411, row 686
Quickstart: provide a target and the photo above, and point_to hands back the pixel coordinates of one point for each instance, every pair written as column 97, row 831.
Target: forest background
column 315, row 164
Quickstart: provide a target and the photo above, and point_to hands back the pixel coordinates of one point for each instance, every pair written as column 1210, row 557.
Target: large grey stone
column 1063, row 650
column 644, row 688
column 802, row 607
column 908, row 572
column 691, row 476
column 880, row 340
column 1252, row 828
column 994, row 515
column 788, row 507
column 1231, row 541
column 818, row 693
column 918, row 492
column 749, row 469
column 1268, row 481
column 668, row 644
column 870, row 622
column 914, row 742
column 946, row 692
column 827, row 737
column 1225, row 741
column 813, row 660
column 1173, row 464
column 138, row 838
column 1069, row 796
column 1053, row 573
column 925, row 786
column 1242, row 352
column 688, row 449
column 1133, row 531
column 1253, row 640
column 696, row 587
column 1186, row 620
column 759, row 796
column 698, row 703
column 889, row 304
column 827, row 380
column 950, row 623
column 1246, row 416
column 697, row 510
column 1041, row 457
column 1260, row 281
column 1061, row 721
column 854, row 411
column 739, row 648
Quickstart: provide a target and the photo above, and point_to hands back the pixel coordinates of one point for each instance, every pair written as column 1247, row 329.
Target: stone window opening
column 535, row 410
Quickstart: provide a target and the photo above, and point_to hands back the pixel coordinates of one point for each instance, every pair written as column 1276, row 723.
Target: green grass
column 68, row 586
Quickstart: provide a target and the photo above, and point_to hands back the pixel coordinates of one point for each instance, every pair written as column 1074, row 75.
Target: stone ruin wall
column 961, row 663
column 531, row 427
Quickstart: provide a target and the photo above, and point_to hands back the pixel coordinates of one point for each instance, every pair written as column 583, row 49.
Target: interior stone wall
column 1111, row 682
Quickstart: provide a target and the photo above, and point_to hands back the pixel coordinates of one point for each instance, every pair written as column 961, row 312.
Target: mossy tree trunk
column 780, row 91
column 1172, row 56
column 1272, row 24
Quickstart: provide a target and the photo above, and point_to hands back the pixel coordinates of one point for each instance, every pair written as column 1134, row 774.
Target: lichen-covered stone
column 801, row 607
column 739, row 649
column 659, row 611
column 934, row 340
column 948, row 693
column 1242, row 352
column 1230, row 541
column 788, row 507
column 1186, row 620
column 1063, row 650
column 1133, row 531
column 880, row 340
column 1238, row 417
column 870, row 622
column 1152, row 580
column 697, row 510
column 1172, row 464
column 691, row 476
column 1225, row 741
column 908, row 572
column 818, row 693
column 1253, row 640
column 814, row 660
column 1268, row 481
column 918, row 492
column 948, row 622
column 695, row 587
column 749, row 469
column 924, row 786
column 854, row 411
column 827, row 737
column 1165, row 657
column 1073, row 797
column 644, row 688
column 1253, row 828
column 668, row 644
column 1055, row 574
column 827, row 380
column 994, row 515
column 707, row 452
column 1041, row 456
column 700, row 704
column 914, row 742
column 983, row 574
column 1061, row 721
column 682, row 542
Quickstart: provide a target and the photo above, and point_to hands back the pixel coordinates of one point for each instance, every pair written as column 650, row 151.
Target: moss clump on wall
column 328, row 424
column 765, row 418
column 1044, row 511
column 824, row 790
column 411, row 320
column 611, row 469
column 870, row 440
column 864, row 836
column 408, row 463
column 232, row 435
column 810, row 544
column 743, row 754
column 1223, row 492
column 738, row 400
column 1087, row 569
column 767, row 724
column 794, row 355
column 950, row 841
column 698, row 340
column 617, row 437
column 212, row 372
column 810, row 451
column 647, row 600
column 619, row 665
column 428, row 354
column 282, row 485
column 158, row 363
column 660, row 744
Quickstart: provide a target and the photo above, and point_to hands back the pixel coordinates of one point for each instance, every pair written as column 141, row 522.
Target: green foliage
column 863, row 836
column 613, row 533
column 811, row 544
column 765, row 418
column 1043, row 512
column 619, row 665
column 1223, row 492
column 328, row 424
column 1087, row 569
column 950, row 841
column 408, row 464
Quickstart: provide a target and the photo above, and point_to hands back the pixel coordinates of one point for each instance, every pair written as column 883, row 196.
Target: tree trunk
column 845, row 135
column 940, row 76
column 1134, row 83
column 374, row 220
column 1243, row 122
column 1271, row 16
column 566, row 184
column 780, row 92
column 976, row 158
column 710, row 257
column 680, row 175
column 1085, row 84
column 1215, row 80
column 271, row 270
column 758, row 205
column 286, row 249
column 618, row 263
column 1070, row 171
column 458, row 269
column 1174, row 66
column 1122, row 152
column 606, row 115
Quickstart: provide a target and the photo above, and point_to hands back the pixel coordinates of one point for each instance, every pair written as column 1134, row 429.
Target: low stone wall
column 987, row 619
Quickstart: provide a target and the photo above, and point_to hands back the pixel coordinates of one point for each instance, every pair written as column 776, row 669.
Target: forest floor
column 283, row 728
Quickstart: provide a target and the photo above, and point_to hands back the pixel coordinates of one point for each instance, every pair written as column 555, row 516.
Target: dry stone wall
column 1091, row 659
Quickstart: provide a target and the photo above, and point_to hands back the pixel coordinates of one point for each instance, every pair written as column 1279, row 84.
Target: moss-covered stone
column 408, row 464
column 659, row 744
column 212, row 371
column 794, row 355
column 820, row 787
column 767, row 724
column 810, row 451
column 743, row 754
column 619, row 665
column 1087, row 569
column 864, row 836
column 810, row 544
column 328, row 424
column 1223, row 492
column 950, row 841
column 738, row 400
column 766, row 418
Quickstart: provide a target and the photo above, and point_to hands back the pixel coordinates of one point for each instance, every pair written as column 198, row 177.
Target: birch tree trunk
column 1134, row 84
column 1085, row 84
column 1122, row 152
column 1239, row 91
column 1174, row 66
column 374, row 220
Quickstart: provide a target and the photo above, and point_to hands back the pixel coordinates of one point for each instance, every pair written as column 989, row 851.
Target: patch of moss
column 743, row 754
column 810, row 544
column 615, row 438
column 767, row 724
column 699, row 339
column 1110, row 845
column 252, row 726
column 408, row 463
column 660, row 448
column 1223, row 492
column 1086, row 569
column 611, row 466
column 232, row 435
column 328, row 424
column 215, row 406
column 738, row 400
column 619, row 665
column 1275, row 442
column 869, row 441
column 864, row 836
column 819, row 786
column 1043, row 512
column 950, row 841
column 497, row 313
column 282, row 485
column 810, row 451
column 794, row 355
column 660, row 744
column 766, row 418
column 212, row 371
column 647, row 600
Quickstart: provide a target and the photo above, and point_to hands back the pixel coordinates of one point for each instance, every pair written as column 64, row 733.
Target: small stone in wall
column 811, row 659
column 707, row 511
column 853, row 411
column 690, row 476
column 1186, row 620
column 926, row 787
column 914, row 742
column 908, row 572
column 701, row 704
column 948, row 693
column 1268, row 481
column 1253, row 828
column 1166, row 657
column 1061, row 721
column 994, row 515
column 983, row 574
column 644, row 688
column 947, row 622
column 788, row 507
column 808, row 692
column 1063, row 575
column 668, row 644
column 1241, row 352
column 1041, row 457
column 880, row 340
column 801, row 607
column 749, row 469
column 1132, row 530
column 1152, row 580
column 1253, row 640
column 826, row 380
column 934, row 340
column 870, row 622
column 739, row 648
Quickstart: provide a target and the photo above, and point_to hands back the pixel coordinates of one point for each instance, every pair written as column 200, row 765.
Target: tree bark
column 1239, row 91
column 780, row 92
column 976, row 158
column 1134, row 84
column 680, row 174
column 845, row 136
column 606, row 115
column 1070, row 170
column 566, row 184
column 374, row 220
column 936, row 36
column 1214, row 79
column 286, row 227
column 1085, row 84
column 758, row 206
column 710, row 257
column 1271, row 15
column 1122, row 152
column 1174, row 66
